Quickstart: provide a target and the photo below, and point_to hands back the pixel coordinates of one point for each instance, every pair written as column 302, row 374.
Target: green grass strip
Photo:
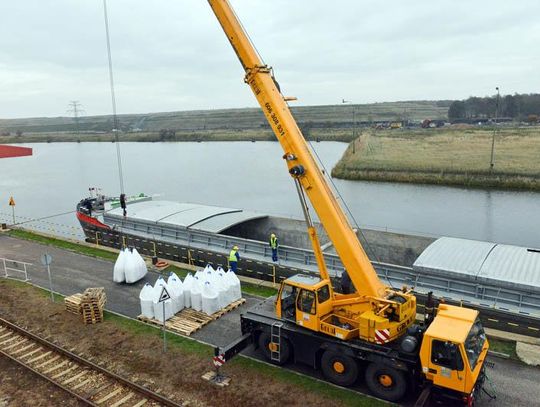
column 63, row 244
column 506, row 347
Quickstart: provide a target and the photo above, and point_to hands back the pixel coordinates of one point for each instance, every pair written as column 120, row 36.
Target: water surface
column 252, row 176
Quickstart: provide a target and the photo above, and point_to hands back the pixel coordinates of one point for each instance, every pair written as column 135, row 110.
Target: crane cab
column 453, row 351
column 304, row 300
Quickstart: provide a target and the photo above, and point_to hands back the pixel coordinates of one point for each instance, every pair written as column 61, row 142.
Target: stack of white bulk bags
column 147, row 305
column 135, row 268
column 196, row 294
column 188, row 283
column 177, row 292
column 158, row 306
column 234, row 283
column 210, row 299
column 119, row 274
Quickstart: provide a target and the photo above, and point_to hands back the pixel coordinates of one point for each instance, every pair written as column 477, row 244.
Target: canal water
column 251, row 176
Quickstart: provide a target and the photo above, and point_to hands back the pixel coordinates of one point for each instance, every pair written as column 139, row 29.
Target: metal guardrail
column 18, row 267
column 474, row 292
column 302, row 257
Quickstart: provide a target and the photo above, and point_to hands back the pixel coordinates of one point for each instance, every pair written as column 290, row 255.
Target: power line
column 113, row 98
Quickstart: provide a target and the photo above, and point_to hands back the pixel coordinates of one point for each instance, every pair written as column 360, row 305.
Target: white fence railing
column 15, row 266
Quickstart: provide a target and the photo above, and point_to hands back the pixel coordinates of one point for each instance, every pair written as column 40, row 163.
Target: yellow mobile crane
column 372, row 328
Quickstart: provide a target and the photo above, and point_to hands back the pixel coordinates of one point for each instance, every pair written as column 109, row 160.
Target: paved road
column 514, row 383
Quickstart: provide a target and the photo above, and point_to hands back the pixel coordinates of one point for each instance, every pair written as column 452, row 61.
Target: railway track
column 84, row 380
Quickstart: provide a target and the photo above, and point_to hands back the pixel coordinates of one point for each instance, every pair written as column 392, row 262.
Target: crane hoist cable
column 115, row 116
column 113, row 99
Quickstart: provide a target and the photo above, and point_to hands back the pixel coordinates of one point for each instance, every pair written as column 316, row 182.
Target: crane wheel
column 267, row 347
column 386, row 382
column 338, row 368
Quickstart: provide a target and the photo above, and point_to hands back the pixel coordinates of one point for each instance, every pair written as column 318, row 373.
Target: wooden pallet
column 188, row 320
column 73, row 303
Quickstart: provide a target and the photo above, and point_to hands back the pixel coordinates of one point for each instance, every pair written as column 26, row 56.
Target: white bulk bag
column 130, row 266
column 221, row 287
column 143, row 267
column 178, row 293
column 139, row 270
column 199, row 274
column 226, row 286
column 196, row 294
column 119, row 275
column 146, row 296
column 158, row 306
column 231, row 286
column 235, row 283
column 210, row 300
column 188, row 282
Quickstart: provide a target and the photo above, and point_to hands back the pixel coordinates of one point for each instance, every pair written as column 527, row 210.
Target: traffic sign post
column 46, row 260
column 164, row 296
column 12, row 204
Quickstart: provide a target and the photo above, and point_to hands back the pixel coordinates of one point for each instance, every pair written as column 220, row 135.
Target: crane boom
column 375, row 314
column 299, row 158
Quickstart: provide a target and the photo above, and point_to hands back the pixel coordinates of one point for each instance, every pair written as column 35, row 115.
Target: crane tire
column 338, row 368
column 264, row 344
column 386, row 382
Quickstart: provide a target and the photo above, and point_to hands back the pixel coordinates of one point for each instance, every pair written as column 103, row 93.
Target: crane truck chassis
column 373, row 327
column 391, row 371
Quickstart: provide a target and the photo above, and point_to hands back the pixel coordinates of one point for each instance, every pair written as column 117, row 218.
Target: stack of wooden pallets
column 92, row 304
column 89, row 305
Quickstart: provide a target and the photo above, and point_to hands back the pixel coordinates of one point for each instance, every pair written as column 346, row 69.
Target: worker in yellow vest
column 274, row 246
column 234, row 257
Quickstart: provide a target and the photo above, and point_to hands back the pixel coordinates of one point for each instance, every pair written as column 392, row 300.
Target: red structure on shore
column 13, row 151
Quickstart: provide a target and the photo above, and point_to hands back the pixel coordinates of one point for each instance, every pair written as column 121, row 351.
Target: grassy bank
column 458, row 157
column 343, row 135
column 248, row 288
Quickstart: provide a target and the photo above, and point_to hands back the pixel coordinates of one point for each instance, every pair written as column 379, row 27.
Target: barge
column 202, row 234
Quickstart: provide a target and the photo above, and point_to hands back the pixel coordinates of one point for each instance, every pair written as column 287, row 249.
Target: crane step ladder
column 275, row 341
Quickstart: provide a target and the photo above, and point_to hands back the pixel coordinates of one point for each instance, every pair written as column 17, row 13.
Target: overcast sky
column 172, row 55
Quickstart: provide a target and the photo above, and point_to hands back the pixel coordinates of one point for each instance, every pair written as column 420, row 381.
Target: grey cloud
column 172, row 55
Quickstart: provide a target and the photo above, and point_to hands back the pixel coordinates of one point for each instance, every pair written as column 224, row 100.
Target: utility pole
column 353, row 122
column 491, row 164
column 76, row 110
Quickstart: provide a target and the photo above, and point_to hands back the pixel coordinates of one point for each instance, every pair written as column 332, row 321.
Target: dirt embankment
column 139, row 356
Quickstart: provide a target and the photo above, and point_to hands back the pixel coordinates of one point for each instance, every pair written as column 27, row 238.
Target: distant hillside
column 331, row 116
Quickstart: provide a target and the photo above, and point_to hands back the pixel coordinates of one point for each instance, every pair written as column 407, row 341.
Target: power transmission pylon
column 76, row 110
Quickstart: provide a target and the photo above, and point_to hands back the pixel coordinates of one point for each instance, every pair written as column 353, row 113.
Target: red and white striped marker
column 382, row 336
column 219, row 360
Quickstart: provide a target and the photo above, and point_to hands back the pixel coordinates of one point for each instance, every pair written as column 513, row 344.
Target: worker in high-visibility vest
column 234, row 257
column 274, row 246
